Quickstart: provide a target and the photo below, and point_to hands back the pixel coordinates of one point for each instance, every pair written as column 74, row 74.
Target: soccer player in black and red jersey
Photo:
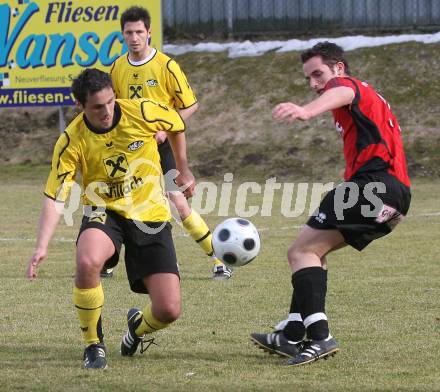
column 373, row 199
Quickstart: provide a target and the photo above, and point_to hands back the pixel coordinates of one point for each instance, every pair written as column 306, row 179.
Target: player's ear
column 340, row 68
column 78, row 106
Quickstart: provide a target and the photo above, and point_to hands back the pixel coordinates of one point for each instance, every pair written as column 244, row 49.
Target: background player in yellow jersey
column 147, row 73
column 112, row 144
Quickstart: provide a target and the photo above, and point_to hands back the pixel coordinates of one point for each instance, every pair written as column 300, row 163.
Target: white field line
column 63, row 239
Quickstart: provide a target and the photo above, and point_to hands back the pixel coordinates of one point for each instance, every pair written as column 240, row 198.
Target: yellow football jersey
column 158, row 78
column 120, row 169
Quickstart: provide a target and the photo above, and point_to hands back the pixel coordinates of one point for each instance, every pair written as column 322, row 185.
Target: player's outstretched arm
column 188, row 112
column 48, row 222
column 185, row 178
column 329, row 100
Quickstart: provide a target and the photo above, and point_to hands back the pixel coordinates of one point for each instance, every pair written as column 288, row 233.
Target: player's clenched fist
column 289, row 112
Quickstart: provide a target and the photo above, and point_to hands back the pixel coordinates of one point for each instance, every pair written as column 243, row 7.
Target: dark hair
column 134, row 14
column 90, row 81
column 329, row 52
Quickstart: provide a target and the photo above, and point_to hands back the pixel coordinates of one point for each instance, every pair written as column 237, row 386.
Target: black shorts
column 146, row 253
column 167, row 162
column 367, row 207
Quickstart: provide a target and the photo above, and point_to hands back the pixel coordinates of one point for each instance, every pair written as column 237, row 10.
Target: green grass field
column 383, row 307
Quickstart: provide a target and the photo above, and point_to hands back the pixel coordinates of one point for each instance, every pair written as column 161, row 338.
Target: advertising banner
column 45, row 44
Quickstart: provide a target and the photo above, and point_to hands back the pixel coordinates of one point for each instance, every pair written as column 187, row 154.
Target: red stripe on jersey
column 370, row 132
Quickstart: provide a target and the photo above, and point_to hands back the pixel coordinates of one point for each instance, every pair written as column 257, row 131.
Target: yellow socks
column 199, row 231
column 149, row 323
column 216, row 261
column 88, row 303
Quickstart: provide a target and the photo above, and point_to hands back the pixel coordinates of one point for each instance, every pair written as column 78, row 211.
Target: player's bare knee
column 183, row 209
column 88, row 263
column 299, row 257
column 168, row 312
column 180, row 203
column 294, row 254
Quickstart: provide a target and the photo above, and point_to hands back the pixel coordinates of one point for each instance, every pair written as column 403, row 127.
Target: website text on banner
column 44, row 44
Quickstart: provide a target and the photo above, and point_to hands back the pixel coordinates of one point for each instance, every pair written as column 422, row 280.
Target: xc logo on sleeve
column 135, row 91
column 116, row 166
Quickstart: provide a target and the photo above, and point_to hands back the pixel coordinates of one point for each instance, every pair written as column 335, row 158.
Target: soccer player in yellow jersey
column 147, row 73
column 111, row 144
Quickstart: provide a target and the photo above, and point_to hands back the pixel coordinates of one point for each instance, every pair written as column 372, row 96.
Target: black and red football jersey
column 370, row 132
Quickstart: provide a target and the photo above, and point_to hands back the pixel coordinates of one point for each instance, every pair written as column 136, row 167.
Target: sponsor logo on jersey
column 117, row 190
column 135, row 145
column 321, row 217
column 109, row 145
column 116, row 166
column 152, row 83
column 135, row 91
column 135, row 76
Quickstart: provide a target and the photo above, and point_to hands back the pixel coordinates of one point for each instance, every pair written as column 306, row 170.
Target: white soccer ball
column 236, row 242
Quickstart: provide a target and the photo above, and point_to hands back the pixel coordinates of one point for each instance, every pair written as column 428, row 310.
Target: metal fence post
column 230, row 16
column 61, row 119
